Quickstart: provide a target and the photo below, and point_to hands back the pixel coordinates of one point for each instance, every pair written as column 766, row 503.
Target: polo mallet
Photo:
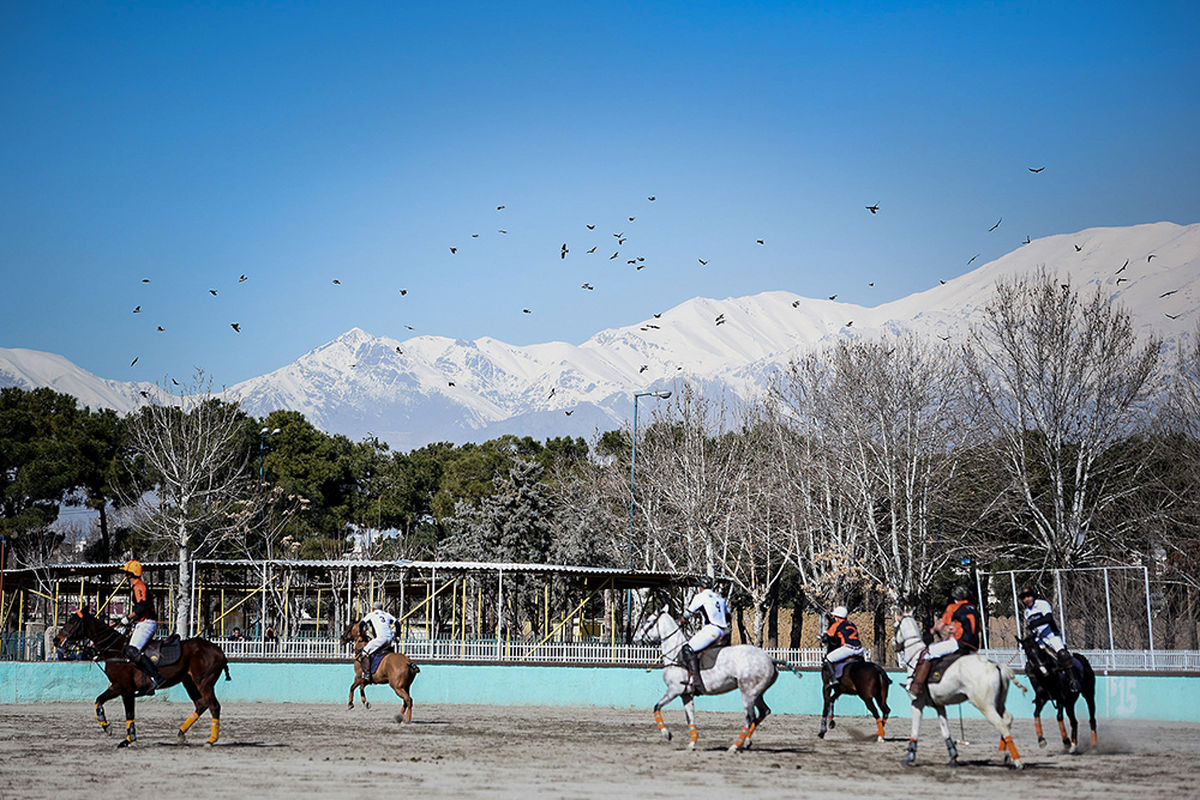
column 961, row 732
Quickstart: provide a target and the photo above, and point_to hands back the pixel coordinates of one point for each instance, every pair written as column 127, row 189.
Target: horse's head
column 651, row 630
column 350, row 634
column 73, row 630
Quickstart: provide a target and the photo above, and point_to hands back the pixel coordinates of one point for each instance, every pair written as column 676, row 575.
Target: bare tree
column 1059, row 382
column 197, row 456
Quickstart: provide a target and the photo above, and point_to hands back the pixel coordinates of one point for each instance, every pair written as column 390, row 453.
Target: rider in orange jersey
column 959, row 626
column 145, row 622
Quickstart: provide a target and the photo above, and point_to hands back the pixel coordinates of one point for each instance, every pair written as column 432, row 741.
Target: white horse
column 983, row 682
column 908, row 641
column 744, row 666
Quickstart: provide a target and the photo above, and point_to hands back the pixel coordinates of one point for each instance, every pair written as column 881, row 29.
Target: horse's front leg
column 944, row 724
column 827, row 710
column 1038, row 702
column 674, row 689
column 1071, row 744
column 104, row 697
column 130, row 730
column 689, row 713
column 910, row 758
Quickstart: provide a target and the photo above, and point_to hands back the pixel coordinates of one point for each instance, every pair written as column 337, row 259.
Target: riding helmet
column 840, row 612
column 1026, row 591
column 133, row 567
column 705, row 581
column 960, row 592
column 377, row 605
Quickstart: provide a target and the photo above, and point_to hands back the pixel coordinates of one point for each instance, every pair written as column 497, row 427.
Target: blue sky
column 299, row 144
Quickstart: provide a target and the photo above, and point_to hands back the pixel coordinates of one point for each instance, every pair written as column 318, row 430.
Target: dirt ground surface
column 291, row 750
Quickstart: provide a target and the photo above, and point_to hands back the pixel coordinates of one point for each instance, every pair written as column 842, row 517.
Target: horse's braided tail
column 781, row 664
column 227, row 671
column 1012, row 677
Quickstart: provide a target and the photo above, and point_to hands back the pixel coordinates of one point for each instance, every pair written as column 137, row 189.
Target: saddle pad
column 841, row 665
column 708, row 656
column 166, row 652
column 378, row 656
column 939, row 666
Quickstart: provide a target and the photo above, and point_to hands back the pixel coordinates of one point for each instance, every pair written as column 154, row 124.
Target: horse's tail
column 415, row 668
column 1007, row 672
column 782, row 664
column 226, row 667
column 882, row 674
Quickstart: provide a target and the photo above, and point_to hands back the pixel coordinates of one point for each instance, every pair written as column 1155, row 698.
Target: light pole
column 662, row 395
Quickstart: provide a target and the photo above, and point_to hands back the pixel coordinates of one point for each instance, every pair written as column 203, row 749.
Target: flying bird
column 650, row 198
column 622, row 240
column 972, row 258
column 1149, row 257
column 656, row 316
column 501, row 230
column 760, row 241
column 137, row 310
column 569, row 413
column 336, row 282
column 703, row 263
column 592, row 250
column 161, row 329
column 644, row 368
column 453, row 250
column 553, row 389
column 850, row 323
column 587, row 286
column 526, row 311
column 143, row 393
column 997, row 225
column 1078, row 248
column 1167, row 294
column 614, row 255
column 631, row 219
column 1039, row 169
column 1122, row 280
column 145, row 280
column 213, row 292
column 474, row 235
column 944, row 338
column 174, row 381
column 873, row 209
column 942, row 282
column 450, row 383
column 631, row 261
column 833, row 297
column 236, row 327
column 1026, row 239
column 242, row 279
column 410, row 327
column 795, row 304
column 1171, row 316
column 499, row 208
column 564, row 252
column 641, row 266
column 872, row 283
column 618, row 235
column 591, row 227
column 1123, row 266
column 135, row 360
column 398, row 350
column 403, row 292
column 655, row 327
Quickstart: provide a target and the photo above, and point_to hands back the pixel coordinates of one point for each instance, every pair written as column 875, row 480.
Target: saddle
column 378, row 656
column 165, row 652
column 939, row 665
column 840, row 666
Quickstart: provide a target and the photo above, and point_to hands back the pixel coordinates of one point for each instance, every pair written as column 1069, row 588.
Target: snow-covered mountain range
column 430, row 388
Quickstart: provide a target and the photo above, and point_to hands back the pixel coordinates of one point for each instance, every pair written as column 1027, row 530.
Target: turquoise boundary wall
column 1151, row 697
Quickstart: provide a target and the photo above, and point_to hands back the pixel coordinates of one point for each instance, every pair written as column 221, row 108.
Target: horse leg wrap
column 910, row 757
column 879, row 728
column 1037, row 726
column 1062, row 729
column 130, row 731
column 1093, row 738
column 189, row 722
column 1012, row 748
column 742, row 737
column 662, row 726
column 103, row 720
column 693, row 734
column 951, row 749
column 215, row 732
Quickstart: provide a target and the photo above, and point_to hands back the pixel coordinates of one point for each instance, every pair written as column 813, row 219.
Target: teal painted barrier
column 1172, row 698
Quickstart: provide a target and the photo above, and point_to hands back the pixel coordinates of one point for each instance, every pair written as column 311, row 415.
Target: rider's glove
column 124, row 621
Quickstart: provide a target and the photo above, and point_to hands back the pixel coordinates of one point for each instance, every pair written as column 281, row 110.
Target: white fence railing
column 1117, row 660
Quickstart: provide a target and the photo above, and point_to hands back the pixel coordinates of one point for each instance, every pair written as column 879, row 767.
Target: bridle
column 669, row 653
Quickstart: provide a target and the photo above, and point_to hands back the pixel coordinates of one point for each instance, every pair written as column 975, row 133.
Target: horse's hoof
column 123, row 743
column 1074, row 750
column 1041, row 742
column 908, row 762
column 366, row 704
column 832, row 724
column 820, row 734
column 1018, row 765
column 208, row 745
column 691, row 746
column 952, row 762
column 666, row 735
column 733, row 748
column 880, row 739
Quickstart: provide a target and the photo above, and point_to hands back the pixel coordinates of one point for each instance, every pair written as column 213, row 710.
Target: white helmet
column 840, row 612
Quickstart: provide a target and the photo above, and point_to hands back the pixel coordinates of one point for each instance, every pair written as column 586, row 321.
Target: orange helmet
column 133, row 567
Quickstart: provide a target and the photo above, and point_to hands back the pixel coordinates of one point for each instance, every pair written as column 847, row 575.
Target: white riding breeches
column 842, row 653
column 1050, row 640
column 379, row 641
column 142, row 632
column 704, row 637
column 944, row 648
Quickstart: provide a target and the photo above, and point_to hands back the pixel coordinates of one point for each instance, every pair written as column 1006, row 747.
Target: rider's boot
column 691, row 662
column 920, row 675
column 1066, row 667
column 827, row 670
column 365, row 660
column 156, row 677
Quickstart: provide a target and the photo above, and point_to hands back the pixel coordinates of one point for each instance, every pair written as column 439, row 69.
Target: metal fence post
column 1149, row 616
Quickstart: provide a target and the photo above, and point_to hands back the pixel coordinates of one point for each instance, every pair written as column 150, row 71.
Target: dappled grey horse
column 743, row 666
column 985, row 684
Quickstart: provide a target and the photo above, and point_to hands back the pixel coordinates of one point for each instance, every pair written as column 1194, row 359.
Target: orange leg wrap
column 1012, row 748
column 216, row 731
column 1062, row 729
column 742, row 737
column 879, row 728
column 1037, row 726
column 189, row 722
column 1093, row 738
column 662, row 726
column 1002, row 745
column 693, row 734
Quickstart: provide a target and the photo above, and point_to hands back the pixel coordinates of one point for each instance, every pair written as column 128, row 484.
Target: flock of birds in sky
column 639, row 263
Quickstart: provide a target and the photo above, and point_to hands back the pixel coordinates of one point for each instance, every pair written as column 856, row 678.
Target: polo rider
column 714, row 611
column 1039, row 622
column 378, row 624
column 845, row 634
column 958, row 629
column 145, row 621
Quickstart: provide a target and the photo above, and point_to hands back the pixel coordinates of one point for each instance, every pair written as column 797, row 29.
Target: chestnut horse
column 200, row 664
column 864, row 678
column 396, row 669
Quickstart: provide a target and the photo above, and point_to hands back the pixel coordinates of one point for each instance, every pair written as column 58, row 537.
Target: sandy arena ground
column 290, row 750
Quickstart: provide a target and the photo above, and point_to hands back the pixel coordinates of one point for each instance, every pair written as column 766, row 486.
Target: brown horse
column 865, row 679
column 396, row 669
column 199, row 665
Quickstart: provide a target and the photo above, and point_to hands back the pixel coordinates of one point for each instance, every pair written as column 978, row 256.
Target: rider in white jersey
column 713, row 609
column 1039, row 621
column 381, row 623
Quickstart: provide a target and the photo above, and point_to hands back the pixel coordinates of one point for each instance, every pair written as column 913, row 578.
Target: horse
column 743, row 666
column 863, row 678
column 199, row 665
column 983, row 682
column 1049, row 686
column 396, row 669
column 908, row 641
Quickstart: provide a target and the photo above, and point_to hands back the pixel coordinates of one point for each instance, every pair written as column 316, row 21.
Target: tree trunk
column 796, row 635
column 773, row 618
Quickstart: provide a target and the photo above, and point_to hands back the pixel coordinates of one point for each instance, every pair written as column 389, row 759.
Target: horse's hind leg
column 1073, row 743
column 209, row 698
column 1089, row 697
column 830, row 694
column 402, row 693
column 130, row 728
column 750, row 704
column 200, row 707
column 870, row 704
